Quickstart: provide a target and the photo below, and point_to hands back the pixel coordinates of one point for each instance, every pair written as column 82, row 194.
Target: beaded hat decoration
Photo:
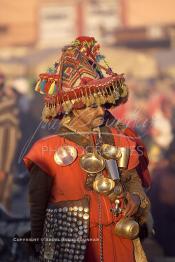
column 78, row 80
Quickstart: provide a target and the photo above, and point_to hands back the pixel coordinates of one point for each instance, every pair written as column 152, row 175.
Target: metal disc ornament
column 65, row 155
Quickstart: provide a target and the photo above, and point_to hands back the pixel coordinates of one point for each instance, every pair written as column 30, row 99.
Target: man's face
column 91, row 116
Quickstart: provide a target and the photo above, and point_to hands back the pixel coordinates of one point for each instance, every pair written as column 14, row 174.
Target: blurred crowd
column 150, row 111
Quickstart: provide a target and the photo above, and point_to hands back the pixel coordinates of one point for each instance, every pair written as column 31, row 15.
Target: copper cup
column 109, row 151
column 124, row 157
column 92, row 163
column 103, row 185
column 127, row 227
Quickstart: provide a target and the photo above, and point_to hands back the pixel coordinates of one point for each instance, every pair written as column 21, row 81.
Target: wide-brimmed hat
column 79, row 79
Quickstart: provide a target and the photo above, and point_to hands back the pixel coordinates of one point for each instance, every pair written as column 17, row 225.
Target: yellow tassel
column 48, row 113
column 91, row 99
column 51, row 89
column 124, row 90
column 97, row 99
column 37, row 87
column 102, row 97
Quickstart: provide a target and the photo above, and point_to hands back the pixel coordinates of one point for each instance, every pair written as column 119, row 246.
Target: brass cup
column 103, row 185
column 92, row 163
column 127, row 228
column 110, row 152
column 124, row 157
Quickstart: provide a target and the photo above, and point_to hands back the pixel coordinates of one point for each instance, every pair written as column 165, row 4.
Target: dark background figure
column 163, row 208
column 9, row 137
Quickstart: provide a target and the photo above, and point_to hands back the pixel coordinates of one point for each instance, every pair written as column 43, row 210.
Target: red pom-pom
column 85, row 38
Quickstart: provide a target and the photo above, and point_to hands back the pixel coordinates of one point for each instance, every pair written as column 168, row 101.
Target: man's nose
column 101, row 110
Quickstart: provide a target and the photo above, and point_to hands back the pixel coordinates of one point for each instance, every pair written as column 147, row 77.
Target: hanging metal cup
column 127, row 227
column 110, row 152
column 124, row 157
column 103, row 185
column 92, row 163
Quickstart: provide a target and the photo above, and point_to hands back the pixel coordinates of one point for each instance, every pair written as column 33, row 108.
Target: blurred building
column 102, row 18
column 48, row 23
column 139, row 13
column 146, row 24
column 18, row 22
column 32, row 32
column 61, row 21
column 58, row 22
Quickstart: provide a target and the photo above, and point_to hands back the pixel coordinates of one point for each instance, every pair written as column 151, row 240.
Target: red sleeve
column 36, row 155
column 142, row 167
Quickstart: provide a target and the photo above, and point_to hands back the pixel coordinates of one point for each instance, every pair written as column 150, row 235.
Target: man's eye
column 94, row 106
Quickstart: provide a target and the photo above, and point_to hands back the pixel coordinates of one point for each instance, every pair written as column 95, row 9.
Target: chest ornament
column 65, row 155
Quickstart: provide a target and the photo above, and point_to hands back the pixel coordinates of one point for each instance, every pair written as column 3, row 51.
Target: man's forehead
column 90, row 109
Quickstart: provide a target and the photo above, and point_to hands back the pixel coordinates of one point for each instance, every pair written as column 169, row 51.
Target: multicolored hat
column 79, row 79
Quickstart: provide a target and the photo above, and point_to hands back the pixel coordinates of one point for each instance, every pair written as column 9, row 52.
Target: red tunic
column 68, row 184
